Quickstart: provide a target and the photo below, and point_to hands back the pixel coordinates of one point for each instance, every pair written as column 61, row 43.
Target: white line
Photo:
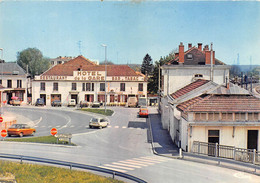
column 122, row 164
column 49, row 126
column 116, row 126
column 43, row 126
column 58, row 126
column 153, row 158
column 136, row 161
column 109, row 126
column 124, row 127
column 113, row 169
column 132, row 163
column 72, row 126
column 146, row 160
column 120, row 167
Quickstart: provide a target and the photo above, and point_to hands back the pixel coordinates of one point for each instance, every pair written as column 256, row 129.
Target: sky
column 130, row 29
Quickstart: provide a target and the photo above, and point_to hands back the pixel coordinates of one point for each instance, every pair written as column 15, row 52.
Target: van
column 142, row 102
column 72, row 102
column 132, row 102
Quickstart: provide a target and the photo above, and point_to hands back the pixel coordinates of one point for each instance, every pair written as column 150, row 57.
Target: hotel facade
column 82, row 79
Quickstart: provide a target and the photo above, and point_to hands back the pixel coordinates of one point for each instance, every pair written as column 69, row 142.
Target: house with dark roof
column 192, row 64
column 82, row 79
column 14, row 82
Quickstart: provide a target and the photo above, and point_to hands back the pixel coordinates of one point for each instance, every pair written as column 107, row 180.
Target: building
column 190, row 65
column 82, row 79
column 60, row 60
column 14, row 82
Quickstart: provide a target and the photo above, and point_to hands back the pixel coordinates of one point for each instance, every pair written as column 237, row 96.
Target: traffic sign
column 1, row 119
column 54, row 131
column 3, row 133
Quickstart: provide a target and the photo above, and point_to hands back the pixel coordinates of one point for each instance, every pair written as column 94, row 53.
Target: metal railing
column 71, row 165
column 230, row 152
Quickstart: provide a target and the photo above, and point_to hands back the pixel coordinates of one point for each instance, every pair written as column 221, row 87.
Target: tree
column 106, row 63
column 33, row 58
column 153, row 81
column 147, row 66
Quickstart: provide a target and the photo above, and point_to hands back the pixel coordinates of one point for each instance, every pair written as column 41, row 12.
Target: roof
column 198, row 58
column 11, row 68
column 232, row 89
column 221, row 103
column 81, row 63
column 188, row 88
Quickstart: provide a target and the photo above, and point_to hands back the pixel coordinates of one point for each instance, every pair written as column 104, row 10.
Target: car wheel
column 90, row 126
column 33, row 133
column 21, row 134
column 8, row 135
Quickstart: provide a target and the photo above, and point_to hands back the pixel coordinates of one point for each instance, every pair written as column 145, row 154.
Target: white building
column 14, row 82
column 81, row 79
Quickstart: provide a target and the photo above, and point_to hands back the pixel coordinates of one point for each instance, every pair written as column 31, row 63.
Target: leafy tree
column 33, row 58
column 153, row 81
column 147, row 66
column 108, row 63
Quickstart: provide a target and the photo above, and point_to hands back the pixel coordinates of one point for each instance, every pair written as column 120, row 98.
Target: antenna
column 238, row 59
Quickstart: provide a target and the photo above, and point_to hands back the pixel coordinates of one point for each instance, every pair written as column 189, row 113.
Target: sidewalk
column 161, row 140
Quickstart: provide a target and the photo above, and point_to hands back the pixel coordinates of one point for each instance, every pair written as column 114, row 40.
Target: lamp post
column 105, row 76
column 2, row 57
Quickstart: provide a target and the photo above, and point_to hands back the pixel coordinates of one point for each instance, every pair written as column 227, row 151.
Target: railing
column 230, row 152
column 72, row 165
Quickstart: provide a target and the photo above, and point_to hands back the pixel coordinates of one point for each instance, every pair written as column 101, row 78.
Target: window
column 42, row 86
column 0, row 81
column 198, row 76
column 92, row 89
column 55, row 86
column 19, row 83
column 189, row 56
column 102, row 86
column 74, row 86
column 9, row 83
column 88, row 87
column 140, row 87
column 83, row 87
column 59, row 62
column 122, row 86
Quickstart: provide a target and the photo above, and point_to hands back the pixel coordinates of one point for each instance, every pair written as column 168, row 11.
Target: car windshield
column 144, row 110
column 16, row 126
column 103, row 120
column 94, row 120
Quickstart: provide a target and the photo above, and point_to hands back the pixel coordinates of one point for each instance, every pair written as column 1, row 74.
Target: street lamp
column 105, row 76
column 2, row 60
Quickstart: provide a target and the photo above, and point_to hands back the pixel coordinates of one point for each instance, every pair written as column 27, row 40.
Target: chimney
column 208, row 57
column 189, row 45
column 176, row 55
column 200, row 46
column 206, row 48
column 181, row 53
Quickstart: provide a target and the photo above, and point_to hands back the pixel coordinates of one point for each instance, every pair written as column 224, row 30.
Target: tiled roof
column 198, row 58
column 221, row 103
column 232, row 89
column 86, row 65
column 189, row 88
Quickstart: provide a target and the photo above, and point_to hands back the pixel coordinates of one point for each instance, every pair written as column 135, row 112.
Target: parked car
column 72, row 102
column 96, row 104
column 39, row 102
column 143, row 112
column 56, row 103
column 98, row 122
column 83, row 103
column 15, row 102
column 20, row 130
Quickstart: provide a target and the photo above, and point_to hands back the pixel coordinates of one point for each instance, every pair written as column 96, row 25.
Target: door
column 75, row 97
column 213, row 138
column 252, row 139
column 43, row 96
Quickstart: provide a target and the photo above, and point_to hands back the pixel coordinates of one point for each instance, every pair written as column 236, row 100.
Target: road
column 122, row 146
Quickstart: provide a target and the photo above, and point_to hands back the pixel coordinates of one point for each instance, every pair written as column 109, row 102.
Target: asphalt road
column 123, row 146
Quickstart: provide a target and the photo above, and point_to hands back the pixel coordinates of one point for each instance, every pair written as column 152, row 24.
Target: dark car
column 39, row 102
column 56, row 103
column 83, row 103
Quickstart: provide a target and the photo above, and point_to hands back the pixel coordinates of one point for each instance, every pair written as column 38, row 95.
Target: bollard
column 114, row 175
column 21, row 162
column 180, row 153
column 70, row 167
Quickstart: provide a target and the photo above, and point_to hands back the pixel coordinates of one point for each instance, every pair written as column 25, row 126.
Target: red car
column 143, row 112
column 20, row 130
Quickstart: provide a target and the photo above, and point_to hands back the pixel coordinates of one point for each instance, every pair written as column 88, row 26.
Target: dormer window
column 198, row 76
column 189, row 56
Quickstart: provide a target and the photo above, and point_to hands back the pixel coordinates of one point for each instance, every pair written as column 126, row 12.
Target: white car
column 72, row 102
column 98, row 122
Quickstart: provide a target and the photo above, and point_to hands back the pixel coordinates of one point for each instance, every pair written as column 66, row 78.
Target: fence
column 230, row 152
column 6, row 125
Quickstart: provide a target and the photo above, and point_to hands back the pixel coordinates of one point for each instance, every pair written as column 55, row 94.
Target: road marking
column 109, row 126
column 153, row 158
column 136, row 161
column 49, row 126
column 124, row 127
column 43, row 126
column 133, row 163
column 145, row 160
column 72, row 126
column 123, row 164
column 120, row 167
column 113, row 169
column 58, row 126
column 116, row 127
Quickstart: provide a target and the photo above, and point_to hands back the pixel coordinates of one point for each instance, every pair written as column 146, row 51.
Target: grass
column 44, row 139
column 33, row 173
column 99, row 111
